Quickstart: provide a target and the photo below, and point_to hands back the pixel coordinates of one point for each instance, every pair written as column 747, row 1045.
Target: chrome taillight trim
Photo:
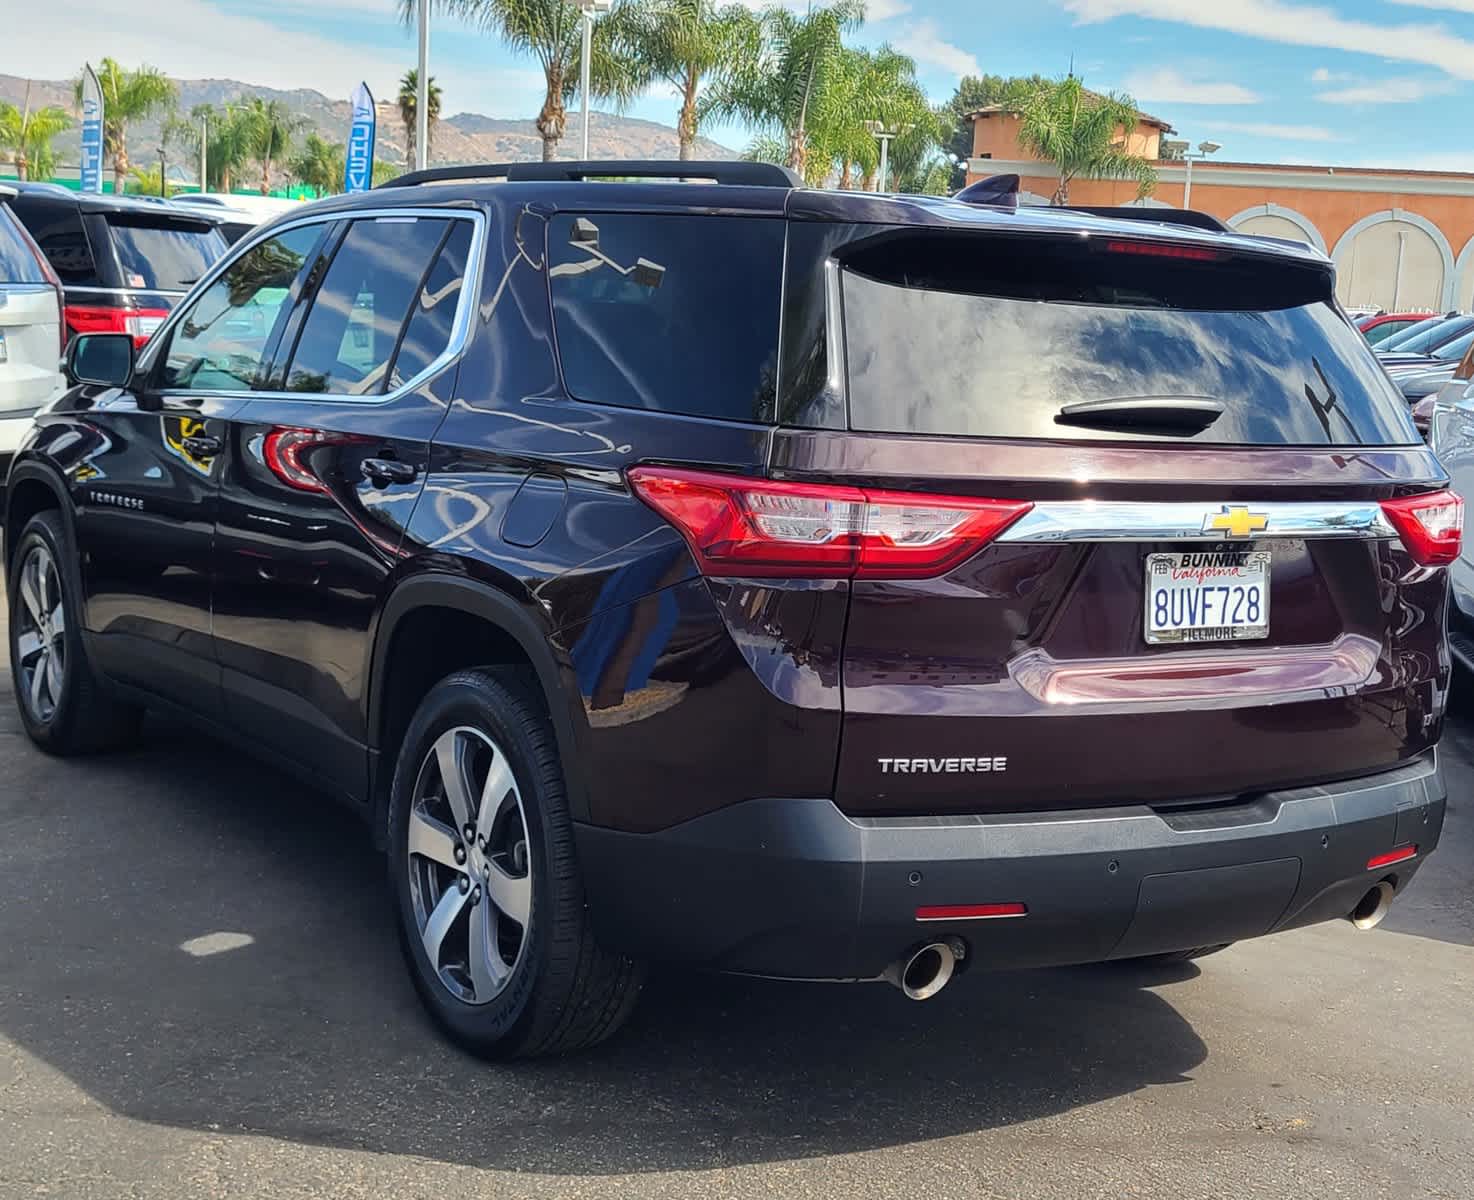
column 1147, row 521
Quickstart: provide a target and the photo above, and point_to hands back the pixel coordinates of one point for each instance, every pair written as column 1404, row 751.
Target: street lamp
column 422, row 92
column 1204, row 149
column 884, row 134
column 588, row 8
column 163, row 172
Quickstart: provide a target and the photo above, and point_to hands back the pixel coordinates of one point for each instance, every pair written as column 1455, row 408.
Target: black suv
column 124, row 261
column 815, row 584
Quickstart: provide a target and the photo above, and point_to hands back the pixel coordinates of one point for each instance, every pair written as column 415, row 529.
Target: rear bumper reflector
column 1392, row 857
column 970, row 912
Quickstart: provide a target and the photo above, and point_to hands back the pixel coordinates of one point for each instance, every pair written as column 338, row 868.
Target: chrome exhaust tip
column 925, row 971
column 1372, row 907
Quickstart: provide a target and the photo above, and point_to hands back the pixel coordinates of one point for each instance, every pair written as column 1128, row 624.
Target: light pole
column 204, row 149
column 422, row 92
column 884, row 134
column 163, row 171
column 588, row 8
column 1204, row 149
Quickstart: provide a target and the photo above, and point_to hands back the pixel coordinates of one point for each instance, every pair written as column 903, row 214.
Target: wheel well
column 26, row 499
column 428, row 644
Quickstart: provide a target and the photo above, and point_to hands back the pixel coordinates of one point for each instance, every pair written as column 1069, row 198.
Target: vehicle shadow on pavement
column 120, row 875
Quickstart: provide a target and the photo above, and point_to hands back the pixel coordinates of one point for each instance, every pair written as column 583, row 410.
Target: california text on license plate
column 1207, row 596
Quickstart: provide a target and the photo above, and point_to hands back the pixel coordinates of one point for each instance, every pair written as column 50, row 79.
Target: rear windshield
column 1019, row 338
column 1405, row 333
column 17, row 263
column 165, row 257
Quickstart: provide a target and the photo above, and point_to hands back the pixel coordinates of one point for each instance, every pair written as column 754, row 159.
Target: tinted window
column 678, row 314
column 1430, row 339
column 1455, row 350
column 354, row 324
column 17, row 263
column 433, row 316
column 168, row 257
column 1408, row 332
column 996, row 337
column 1387, row 329
column 219, row 343
column 56, row 226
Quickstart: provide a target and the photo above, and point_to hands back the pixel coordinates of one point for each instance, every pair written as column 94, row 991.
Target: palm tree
column 127, row 96
column 225, row 134
column 148, row 181
column 409, row 99
column 319, row 165
column 269, row 127
column 787, row 88
column 687, row 43
column 1083, row 134
column 27, row 135
column 871, row 86
column 550, row 31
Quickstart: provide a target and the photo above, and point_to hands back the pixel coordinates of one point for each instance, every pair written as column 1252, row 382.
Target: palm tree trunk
column 1062, row 193
column 553, row 118
column 686, row 127
column 22, row 167
column 845, row 183
column 120, row 166
column 867, row 182
column 266, row 176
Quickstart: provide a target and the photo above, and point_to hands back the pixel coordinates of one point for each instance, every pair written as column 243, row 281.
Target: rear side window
column 353, row 328
column 164, row 257
column 1017, row 338
column 676, row 314
column 432, row 318
column 56, row 226
column 17, row 263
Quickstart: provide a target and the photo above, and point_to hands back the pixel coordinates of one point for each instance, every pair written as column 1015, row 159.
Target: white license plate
column 1207, row 596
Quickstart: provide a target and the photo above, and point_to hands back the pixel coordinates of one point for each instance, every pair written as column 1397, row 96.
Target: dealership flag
column 358, row 173
column 93, row 113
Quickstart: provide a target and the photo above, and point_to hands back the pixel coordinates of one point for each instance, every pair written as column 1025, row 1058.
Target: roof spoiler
column 733, row 174
column 1163, row 216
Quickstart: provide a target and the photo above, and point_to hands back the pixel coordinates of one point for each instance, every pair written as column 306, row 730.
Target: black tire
column 1172, row 957
column 85, row 720
column 564, row 992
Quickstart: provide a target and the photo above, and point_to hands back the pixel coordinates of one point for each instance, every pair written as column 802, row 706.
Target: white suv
column 31, row 341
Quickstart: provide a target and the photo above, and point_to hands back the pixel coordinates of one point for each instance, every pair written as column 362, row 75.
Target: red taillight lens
column 140, row 322
column 761, row 528
column 1431, row 526
column 1164, row 250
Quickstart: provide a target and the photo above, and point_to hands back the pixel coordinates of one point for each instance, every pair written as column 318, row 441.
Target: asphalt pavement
column 200, row 996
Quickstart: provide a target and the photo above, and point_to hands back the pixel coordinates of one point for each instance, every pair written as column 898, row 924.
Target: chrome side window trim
column 1136, row 521
column 460, row 331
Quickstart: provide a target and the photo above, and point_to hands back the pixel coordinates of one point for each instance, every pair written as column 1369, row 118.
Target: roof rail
column 735, row 173
column 1164, row 216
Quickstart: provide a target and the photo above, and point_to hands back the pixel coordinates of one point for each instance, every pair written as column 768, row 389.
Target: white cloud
column 1167, row 85
column 924, row 42
column 1463, row 6
column 1324, row 75
column 1297, row 25
column 1389, row 91
column 1286, row 133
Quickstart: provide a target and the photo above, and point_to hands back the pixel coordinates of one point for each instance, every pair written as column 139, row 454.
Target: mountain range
column 462, row 138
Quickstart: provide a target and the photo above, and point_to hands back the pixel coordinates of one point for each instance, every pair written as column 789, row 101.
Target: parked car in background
column 1422, row 343
column 1449, row 420
column 31, row 342
column 799, row 645
column 1426, row 376
column 1377, row 329
column 123, row 262
column 238, row 214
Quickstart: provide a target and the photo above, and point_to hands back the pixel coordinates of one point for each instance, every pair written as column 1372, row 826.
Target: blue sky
column 1356, row 82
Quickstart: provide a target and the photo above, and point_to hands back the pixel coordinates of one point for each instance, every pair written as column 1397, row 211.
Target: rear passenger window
column 17, row 263
column 353, row 327
column 432, row 318
column 671, row 313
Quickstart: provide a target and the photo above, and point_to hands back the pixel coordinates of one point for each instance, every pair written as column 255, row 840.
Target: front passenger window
column 219, row 343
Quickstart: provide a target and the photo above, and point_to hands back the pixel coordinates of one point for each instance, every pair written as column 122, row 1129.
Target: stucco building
column 1400, row 239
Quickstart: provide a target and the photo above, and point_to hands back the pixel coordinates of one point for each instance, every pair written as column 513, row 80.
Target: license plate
column 1207, row 596
column 4, row 353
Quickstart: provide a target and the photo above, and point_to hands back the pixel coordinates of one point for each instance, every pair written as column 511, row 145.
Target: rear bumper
column 795, row 888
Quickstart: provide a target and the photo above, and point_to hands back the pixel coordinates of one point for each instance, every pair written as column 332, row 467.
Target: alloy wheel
column 40, row 639
column 470, row 871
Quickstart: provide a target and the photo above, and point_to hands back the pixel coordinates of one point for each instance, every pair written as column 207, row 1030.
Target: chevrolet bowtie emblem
column 1235, row 521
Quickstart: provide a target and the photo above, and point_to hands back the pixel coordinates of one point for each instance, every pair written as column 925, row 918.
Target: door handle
column 203, row 445
column 383, row 471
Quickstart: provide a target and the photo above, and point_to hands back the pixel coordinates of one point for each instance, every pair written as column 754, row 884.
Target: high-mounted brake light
column 764, row 528
column 1431, row 526
column 1163, row 250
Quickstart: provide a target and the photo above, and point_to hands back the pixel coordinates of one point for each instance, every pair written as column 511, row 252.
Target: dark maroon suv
column 815, row 584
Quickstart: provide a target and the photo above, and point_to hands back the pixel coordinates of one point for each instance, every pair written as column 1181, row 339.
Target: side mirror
column 100, row 359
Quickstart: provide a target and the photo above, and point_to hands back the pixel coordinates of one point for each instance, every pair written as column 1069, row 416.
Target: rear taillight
column 140, row 322
column 1431, row 526
column 761, row 528
column 48, row 272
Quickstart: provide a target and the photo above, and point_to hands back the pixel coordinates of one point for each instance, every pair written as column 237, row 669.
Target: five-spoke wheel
column 40, row 638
